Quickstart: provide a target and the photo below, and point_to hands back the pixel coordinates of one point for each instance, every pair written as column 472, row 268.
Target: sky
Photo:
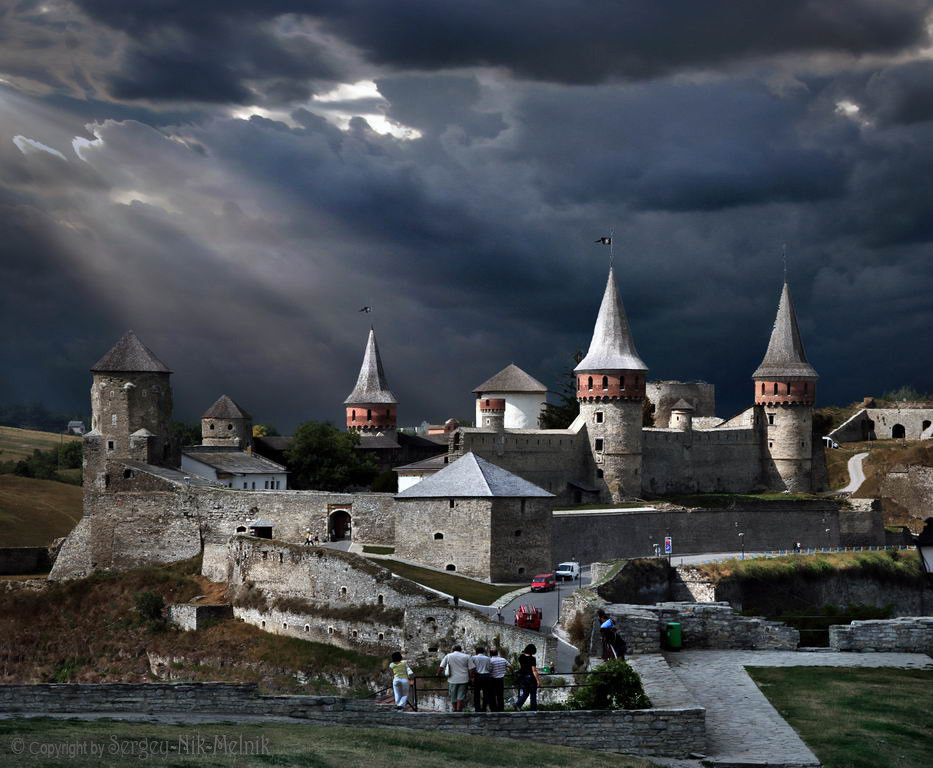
column 234, row 180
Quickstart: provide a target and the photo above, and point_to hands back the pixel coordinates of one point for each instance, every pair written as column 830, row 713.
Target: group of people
column 485, row 673
column 314, row 541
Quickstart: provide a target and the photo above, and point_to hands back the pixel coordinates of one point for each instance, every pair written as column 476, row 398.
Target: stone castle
column 483, row 506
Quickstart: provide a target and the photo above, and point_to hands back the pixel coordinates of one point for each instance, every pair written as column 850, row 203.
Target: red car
column 543, row 582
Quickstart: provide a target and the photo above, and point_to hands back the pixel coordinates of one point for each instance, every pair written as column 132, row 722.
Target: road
column 856, row 474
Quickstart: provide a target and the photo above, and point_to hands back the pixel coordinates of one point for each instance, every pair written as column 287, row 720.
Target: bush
column 612, row 685
column 149, row 606
column 579, row 629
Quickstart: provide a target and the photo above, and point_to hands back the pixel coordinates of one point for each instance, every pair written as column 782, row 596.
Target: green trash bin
column 672, row 636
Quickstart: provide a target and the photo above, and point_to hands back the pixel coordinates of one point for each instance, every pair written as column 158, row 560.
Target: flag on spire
column 366, row 309
column 604, row 241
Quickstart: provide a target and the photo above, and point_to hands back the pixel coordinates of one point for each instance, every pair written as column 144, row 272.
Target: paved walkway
column 742, row 727
column 856, row 475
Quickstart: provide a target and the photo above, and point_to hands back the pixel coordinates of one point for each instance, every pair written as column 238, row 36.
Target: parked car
column 543, row 582
column 568, row 571
column 829, row 442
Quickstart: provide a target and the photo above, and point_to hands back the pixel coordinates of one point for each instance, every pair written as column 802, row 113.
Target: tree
column 324, row 458
column 612, row 685
column 264, row 430
column 186, row 434
column 561, row 415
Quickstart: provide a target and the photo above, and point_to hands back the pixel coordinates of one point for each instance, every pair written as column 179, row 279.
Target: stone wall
column 907, row 496
column 905, row 635
column 663, row 394
column 879, row 424
column 670, row 731
column 702, row 461
column 703, row 625
column 144, row 517
column 18, row 560
column 433, row 629
column 192, row 616
column 590, row 536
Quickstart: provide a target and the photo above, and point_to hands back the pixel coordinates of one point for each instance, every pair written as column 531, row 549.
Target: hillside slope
column 34, row 512
column 16, row 444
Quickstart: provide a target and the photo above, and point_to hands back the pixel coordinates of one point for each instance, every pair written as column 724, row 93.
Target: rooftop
column 473, row 477
column 612, row 347
column 232, row 461
column 785, row 357
column 511, row 379
column 225, row 408
column 371, row 386
column 130, row 355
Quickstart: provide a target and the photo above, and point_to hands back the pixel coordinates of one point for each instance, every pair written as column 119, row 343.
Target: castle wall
column 907, row 496
column 590, row 535
column 520, row 539
column 720, row 460
column 547, row 458
column 663, row 394
column 145, row 519
column 318, row 575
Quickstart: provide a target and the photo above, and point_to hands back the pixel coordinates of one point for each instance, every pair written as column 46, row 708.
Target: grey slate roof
column 511, row 379
column 473, row 477
column 235, row 462
column 371, row 385
column 682, row 405
column 128, row 355
column 785, row 357
column 611, row 348
column 225, row 408
column 433, row 463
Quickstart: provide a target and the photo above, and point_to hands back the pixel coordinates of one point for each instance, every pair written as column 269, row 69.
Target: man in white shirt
column 480, row 669
column 456, row 666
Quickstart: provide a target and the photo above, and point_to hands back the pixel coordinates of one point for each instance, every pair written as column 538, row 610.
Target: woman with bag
column 401, row 673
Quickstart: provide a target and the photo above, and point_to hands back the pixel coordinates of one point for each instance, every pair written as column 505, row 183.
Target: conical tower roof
column 130, row 355
column 371, row 385
column 225, row 407
column 611, row 348
column 473, row 477
column 785, row 357
column 511, row 379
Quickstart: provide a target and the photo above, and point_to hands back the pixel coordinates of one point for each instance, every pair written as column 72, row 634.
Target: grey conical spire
column 611, row 348
column 785, row 357
column 130, row 355
column 371, row 385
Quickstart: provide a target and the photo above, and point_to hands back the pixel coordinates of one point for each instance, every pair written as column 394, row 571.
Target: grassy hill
column 883, row 455
column 34, row 512
column 17, row 444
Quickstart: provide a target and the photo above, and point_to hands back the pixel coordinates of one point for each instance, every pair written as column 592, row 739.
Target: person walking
column 480, row 671
column 401, row 675
column 528, row 678
column 613, row 646
column 456, row 666
column 497, row 670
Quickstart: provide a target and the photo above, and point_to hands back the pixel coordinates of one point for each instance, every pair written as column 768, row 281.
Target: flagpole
column 611, row 245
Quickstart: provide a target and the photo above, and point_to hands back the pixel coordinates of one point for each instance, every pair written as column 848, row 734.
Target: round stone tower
column 682, row 416
column 371, row 406
column 492, row 413
column 131, row 410
column 785, row 390
column 226, row 424
column 610, row 390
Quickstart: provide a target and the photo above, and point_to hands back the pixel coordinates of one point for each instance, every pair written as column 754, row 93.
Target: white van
column 567, row 571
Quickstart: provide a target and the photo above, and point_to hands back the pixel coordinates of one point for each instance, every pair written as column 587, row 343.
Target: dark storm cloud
column 903, row 94
column 224, row 50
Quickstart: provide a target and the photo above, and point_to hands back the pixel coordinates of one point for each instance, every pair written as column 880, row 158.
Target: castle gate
column 339, row 524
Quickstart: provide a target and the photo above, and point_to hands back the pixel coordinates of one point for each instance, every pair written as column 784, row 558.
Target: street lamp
column 742, row 539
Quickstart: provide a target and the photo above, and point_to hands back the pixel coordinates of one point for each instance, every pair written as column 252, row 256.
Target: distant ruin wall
column 663, row 394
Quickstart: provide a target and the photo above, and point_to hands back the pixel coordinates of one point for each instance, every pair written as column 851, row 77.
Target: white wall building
column 524, row 397
column 234, row 468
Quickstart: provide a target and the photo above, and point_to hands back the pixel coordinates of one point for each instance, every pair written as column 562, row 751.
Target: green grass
column 856, row 718
column 34, row 512
column 466, row 589
column 16, row 444
column 292, row 745
column 372, row 549
column 891, row 566
column 716, row 500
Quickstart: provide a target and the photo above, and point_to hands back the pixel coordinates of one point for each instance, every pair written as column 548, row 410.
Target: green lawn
column 472, row 591
column 856, row 718
column 717, row 500
column 286, row 745
column 372, row 549
column 620, row 505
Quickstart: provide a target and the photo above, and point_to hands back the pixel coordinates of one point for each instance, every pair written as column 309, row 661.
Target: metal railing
column 421, row 684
